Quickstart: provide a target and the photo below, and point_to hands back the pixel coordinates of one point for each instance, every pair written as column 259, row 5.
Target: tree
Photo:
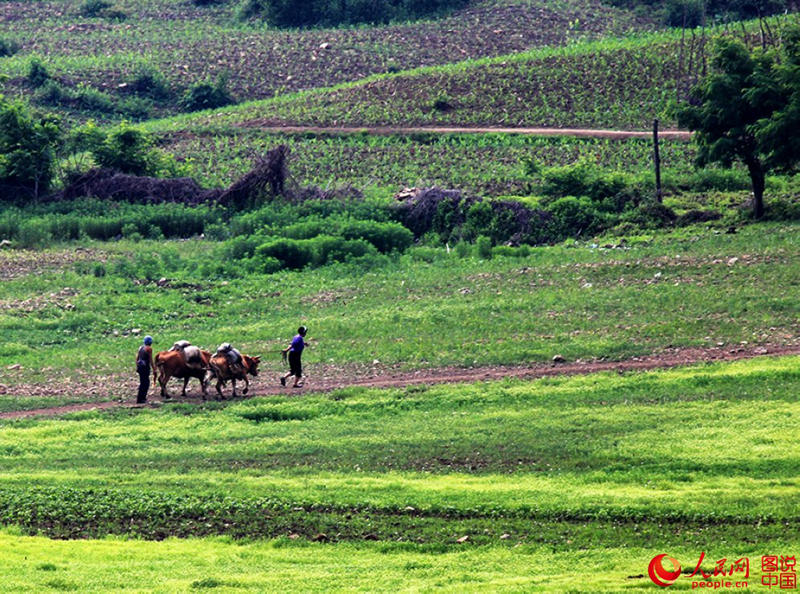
column 748, row 110
column 28, row 145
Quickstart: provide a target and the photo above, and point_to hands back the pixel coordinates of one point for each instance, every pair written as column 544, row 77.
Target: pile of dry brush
column 268, row 177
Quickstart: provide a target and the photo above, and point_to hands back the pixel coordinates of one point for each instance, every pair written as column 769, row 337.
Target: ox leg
column 162, row 380
column 185, row 382
column 233, row 381
column 246, row 385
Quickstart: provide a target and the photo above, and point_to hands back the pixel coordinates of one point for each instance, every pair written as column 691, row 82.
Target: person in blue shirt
column 295, row 350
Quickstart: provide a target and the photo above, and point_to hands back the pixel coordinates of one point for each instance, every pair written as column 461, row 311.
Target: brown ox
column 221, row 369
column 172, row 364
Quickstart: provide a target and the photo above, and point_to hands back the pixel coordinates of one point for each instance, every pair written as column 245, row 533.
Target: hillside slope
column 188, row 44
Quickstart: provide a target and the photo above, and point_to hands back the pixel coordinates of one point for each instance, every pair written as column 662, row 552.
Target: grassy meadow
column 69, row 314
column 564, row 483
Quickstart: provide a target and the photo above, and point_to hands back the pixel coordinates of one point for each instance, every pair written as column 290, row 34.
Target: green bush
column 574, row 217
column 207, row 95
column 93, row 8
column 386, row 237
column 37, row 73
column 291, row 253
column 582, row 179
column 484, row 247
column 50, row 92
column 8, row 47
column 34, row 233
column 125, row 149
column 90, row 99
column 309, row 229
column 149, row 82
column 135, row 108
column 478, row 220
column 311, row 13
column 327, row 249
column 651, row 215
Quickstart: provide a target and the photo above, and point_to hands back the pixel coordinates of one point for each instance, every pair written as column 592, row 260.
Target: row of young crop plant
column 393, row 162
column 194, row 45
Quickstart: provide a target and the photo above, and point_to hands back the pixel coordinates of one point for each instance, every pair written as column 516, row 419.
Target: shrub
column 478, row 220
column 511, row 252
column 463, row 249
column 8, row 47
column 135, row 108
column 125, row 149
column 37, row 73
column 327, row 249
column 651, row 214
column 309, row 229
column 573, row 217
column 207, row 95
column 684, row 13
column 34, row 233
column 291, row 253
column 582, row 179
column 147, row 81
column 93, row 8
column 309, row 13
column 91, row 99
column 386, row 237
column 51, row 93
column 484, row 247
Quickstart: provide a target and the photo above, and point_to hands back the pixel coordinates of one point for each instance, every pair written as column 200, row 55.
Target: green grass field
column 591, row 476
column 695, row 287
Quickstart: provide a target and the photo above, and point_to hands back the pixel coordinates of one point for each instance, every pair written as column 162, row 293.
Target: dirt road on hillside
column 328, row 379
column 269, row 126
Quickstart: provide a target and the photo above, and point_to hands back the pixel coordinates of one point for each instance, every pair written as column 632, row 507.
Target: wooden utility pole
column 657, row 159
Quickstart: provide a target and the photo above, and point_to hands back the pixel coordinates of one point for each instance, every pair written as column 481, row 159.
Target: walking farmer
column 295, row 350
column 144, row 363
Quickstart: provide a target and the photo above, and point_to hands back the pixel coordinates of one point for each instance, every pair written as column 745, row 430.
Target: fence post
column 657, row 159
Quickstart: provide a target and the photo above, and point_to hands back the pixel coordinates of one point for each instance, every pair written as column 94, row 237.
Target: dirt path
column 268, row 126
column 331, row 380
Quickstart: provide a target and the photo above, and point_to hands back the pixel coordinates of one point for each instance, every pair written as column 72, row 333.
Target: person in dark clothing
column 295, row 350
column 144, row 363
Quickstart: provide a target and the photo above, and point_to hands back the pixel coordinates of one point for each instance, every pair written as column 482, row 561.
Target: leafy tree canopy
column 748, row 109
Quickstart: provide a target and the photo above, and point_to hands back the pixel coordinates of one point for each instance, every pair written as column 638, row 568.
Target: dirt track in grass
column 328, row 379
column 271, row 126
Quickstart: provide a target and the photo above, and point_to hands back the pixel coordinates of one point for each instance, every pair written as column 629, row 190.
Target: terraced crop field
column 188, row 44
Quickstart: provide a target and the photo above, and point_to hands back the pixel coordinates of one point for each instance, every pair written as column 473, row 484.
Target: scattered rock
column 162, row 282
column 733, row 261
column 324, row 45
column 505, row 536
column 294, row 536
column 559, row 359
column 463, row 539
column 5, row 244
column 136, row 331
column 14, row 366
column 321, row 537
